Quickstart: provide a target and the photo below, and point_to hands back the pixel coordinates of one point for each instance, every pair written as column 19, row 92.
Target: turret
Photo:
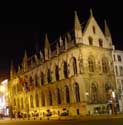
column 25, row 63
column 12, row 70
column 107, row 33
column 77, row 29
column 47, row 50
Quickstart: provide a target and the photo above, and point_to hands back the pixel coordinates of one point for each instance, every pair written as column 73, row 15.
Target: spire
column 77, row 24
column 65, row 43
column 91, row 12
column 25, row 59
column 47, row 50
column 57, row 48
column 77, row 29
column 107, row 32
column 11, row 70
column 41, row 56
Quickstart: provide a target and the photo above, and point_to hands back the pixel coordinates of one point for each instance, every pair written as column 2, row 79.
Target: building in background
column 4, row 98
column 72, row 76
column 118, row 67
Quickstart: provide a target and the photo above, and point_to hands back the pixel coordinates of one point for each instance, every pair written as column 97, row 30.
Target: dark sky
column 25, row 23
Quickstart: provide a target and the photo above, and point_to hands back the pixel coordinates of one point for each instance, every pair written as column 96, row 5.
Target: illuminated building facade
column 118, row 68
column 4, row 98
column 73, row 74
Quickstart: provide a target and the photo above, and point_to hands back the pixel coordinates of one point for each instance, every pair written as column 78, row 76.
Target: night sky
column 23, row 26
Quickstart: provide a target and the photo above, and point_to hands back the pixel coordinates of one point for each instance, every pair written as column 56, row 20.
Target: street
column 108, row 121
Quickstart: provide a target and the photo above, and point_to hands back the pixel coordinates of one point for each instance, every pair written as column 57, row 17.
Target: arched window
column 107, row 88
column 31, row 101
column 43, row 99
column 57, row 72
column 22, row 103
column 77, row 94
column 94, row 93
column 67, row 94
column 42, row 78
column 100, row 43
column 36, row 80
column 50, row 98
column 49, row 76
column 37, row 100
column 14, row 102
column 105, row 65
column 18, row 103
column 31, row 81
column 90, row 39
column 65, row 70
column 91, row 64
column 74, row 65
column 58, row 96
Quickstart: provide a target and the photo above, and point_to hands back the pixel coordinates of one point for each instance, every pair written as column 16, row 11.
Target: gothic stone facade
column 74, row 78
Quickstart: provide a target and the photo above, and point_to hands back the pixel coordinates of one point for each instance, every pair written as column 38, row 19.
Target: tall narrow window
column 31, row 81
column 90, row 39
column 65, row 70
column 43, row 99
column 100, row 43
column 74, row 65
column 91, row 64
column 36, row 80
column 94, row 29
column 22, row 103
column 77, row 94
column 31, row 101
column 49, row 76
column 105, row 65
column 67, row 94
column 42, row 78
column 58, row 96
column 94, row 93
column 57, row 72
column 37, row 100
column 50, row 98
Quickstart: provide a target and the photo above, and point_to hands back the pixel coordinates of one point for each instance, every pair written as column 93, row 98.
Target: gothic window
column 65, row 70
column 43, row 99
column 31, row 101
column 67, row 94
column 90, row 39
column 100, row 43
column 94, row 92
column 37, row 100
column 91, row 64
column 22, row 103
column 74, row 65
column 94, row 29
column 49, row 76
column 50, row 98
column 77, row 94
column 57, row 72
column 36, row 80
column 14, row 102
column 42, row 78
column 104, row 65
column 58, row 96
column 31, row 81
column 116, row 70
column 18, row 103
column 107, row 88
